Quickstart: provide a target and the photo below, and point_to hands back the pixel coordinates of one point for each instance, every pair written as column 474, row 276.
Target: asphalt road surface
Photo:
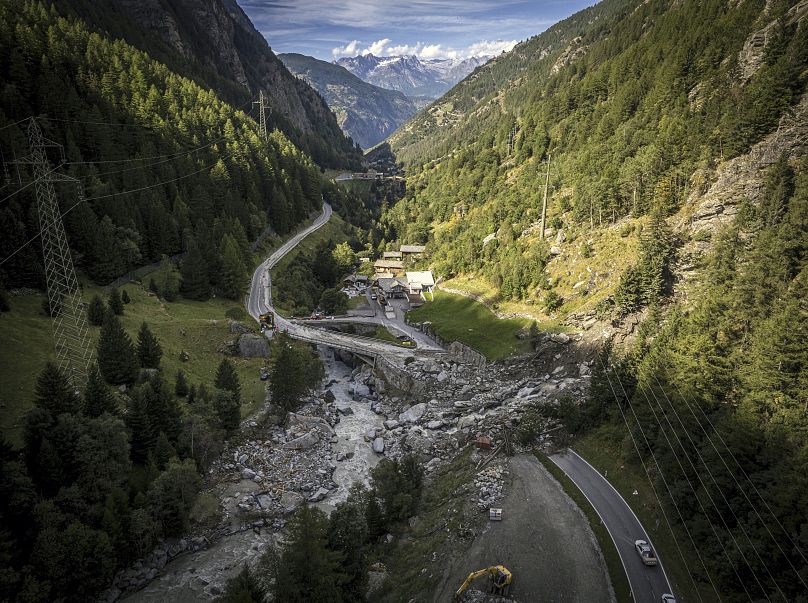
column 259, row 301
column 543, row 539
column 648, row 584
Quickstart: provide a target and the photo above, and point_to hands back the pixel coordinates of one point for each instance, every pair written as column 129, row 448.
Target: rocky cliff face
column 218, row 46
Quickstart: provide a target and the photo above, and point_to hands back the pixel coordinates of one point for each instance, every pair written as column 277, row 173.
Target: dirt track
column 544, row 539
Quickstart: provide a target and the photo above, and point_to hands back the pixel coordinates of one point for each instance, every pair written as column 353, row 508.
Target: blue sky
column 328, row 29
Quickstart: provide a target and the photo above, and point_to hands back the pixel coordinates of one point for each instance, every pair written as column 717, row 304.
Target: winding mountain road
column 259, row 301
column 648, row 584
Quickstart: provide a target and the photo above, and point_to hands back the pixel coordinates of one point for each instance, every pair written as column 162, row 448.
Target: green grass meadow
column 198, row 328
column 458, row 318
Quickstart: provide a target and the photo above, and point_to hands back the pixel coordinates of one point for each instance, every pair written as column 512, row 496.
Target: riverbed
column 203, row 575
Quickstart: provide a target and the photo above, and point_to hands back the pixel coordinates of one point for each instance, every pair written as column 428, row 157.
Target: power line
column 664, row 481
column 705, row 489
column 737, row 483
column 15, row 123
column 143, row 188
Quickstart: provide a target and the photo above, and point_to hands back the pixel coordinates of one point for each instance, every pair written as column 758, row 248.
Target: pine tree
column 140, row 428
column 116, row 353
column 181, row 385
column 54, row 392
column 308, row 571
column 227, row 379
column 125, row 297
column 97, row 397
column 163, row 451
column 195, row 284
column 227, row 409
column 96, row 311
column 115, row 303
column 232, row 268
column 149, row 351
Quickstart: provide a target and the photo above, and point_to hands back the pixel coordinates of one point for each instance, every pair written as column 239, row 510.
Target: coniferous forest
column 623, row 118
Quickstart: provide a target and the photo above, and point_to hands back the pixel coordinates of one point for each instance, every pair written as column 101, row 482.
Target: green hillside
column 629, row 100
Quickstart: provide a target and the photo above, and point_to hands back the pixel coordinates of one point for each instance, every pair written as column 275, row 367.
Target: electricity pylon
column 70, row 333
column 262, row 120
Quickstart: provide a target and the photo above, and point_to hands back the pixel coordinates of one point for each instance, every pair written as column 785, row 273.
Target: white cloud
column 378, row 47
column 349, row 50
column 384, row 47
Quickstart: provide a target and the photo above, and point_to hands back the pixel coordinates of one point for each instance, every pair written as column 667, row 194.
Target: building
column 393, row 287
column 420, row 282
column 396, row 267
column 392, row 255
column 413, row 250
column 359, row 281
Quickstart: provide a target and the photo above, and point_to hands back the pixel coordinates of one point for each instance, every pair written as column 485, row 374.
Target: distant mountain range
column 414, row 77
column 365, row 112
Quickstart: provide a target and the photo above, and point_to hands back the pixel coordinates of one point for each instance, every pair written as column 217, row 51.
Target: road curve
column 648, row 584
column 259, row 301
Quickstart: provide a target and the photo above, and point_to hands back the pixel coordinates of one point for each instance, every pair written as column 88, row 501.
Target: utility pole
column 262, row 120
column 544, row 203
column 70, row 333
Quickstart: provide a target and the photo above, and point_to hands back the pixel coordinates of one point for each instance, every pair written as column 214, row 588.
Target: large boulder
column 329, row 397
column 378, row 445
column 304, row 442
column 413, row 413
column 467, row 421
column 253, row 346
column 291, row 501
column 239, row 328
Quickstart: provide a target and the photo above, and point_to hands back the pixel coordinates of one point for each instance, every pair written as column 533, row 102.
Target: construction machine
column 267, row 320
column 500, row 577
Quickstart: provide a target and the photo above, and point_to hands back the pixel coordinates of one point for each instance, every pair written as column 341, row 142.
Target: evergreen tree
column 54, row 392
column 227, row 409
column 125, row 297
column 142, row 435
column 163, row 451
column 308, row 571
column 348, row 535
column 149, row 351
column 293, row 372
column 195, row 284
column 116, row 353
column 115, row 303
column 227, row 379
column 96, row 311
column 232, row 269
column 181, row 385
column 172, row 495
column 97, row 397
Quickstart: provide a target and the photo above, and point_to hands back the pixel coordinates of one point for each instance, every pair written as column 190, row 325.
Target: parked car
column 668, row 598
column 645, row 552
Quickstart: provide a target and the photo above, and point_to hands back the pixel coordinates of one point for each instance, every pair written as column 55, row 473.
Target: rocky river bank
column 359, row 416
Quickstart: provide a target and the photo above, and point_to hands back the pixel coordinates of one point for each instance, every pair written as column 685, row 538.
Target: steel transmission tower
column 262, row 120
column 67, row 308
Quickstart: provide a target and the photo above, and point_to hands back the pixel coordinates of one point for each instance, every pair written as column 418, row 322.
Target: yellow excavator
column 501, row 580
column 267, row 321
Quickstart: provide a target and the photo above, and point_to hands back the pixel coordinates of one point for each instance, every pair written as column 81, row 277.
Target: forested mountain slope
column 367, row 113
column 678, row 210
column 166, row 165
column 630, row 99
column 214, row 43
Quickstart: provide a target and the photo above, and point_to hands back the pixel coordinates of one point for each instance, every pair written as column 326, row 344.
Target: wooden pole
column 544, row 203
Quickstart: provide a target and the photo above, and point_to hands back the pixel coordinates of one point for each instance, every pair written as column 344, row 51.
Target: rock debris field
column 432, row 408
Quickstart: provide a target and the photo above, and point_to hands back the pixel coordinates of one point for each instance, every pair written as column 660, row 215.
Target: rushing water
column 350, row 432
column 202, row 575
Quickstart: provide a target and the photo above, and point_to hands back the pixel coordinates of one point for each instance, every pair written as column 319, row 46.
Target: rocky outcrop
column 742, row 178
column 253, row 346
column 750, row 57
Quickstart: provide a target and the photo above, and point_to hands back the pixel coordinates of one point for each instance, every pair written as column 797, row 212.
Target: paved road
column 259, row 301
column 648, row 584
